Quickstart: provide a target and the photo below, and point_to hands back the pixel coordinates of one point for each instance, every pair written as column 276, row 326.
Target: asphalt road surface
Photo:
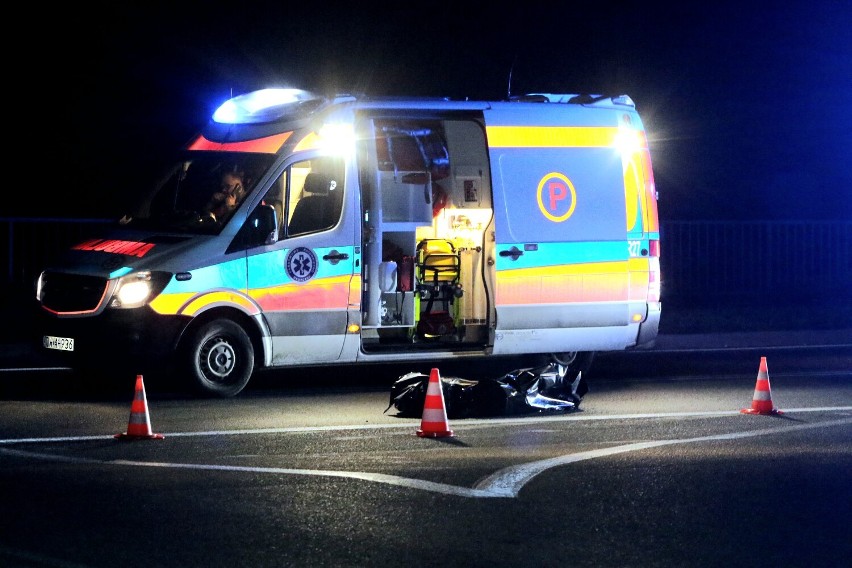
column 657, row 467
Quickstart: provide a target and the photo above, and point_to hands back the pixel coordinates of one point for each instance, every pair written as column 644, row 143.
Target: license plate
column 59, row 343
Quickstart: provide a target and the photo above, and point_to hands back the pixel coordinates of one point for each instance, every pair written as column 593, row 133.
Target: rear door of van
column 561, row 240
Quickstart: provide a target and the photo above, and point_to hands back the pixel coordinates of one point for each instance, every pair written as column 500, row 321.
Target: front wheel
column 220, row 358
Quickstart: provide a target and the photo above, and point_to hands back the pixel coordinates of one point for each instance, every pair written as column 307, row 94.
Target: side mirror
column 267, row 223
column 261, row 228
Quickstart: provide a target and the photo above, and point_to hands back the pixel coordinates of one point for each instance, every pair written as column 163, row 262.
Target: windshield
column 200, row 192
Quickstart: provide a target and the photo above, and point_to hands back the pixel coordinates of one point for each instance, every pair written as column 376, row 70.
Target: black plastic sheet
column 522, row 391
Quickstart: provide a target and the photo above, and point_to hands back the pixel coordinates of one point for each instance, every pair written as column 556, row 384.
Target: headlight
column 136, row 290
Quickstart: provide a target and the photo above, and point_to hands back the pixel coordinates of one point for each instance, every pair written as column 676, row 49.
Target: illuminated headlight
column 136, row 290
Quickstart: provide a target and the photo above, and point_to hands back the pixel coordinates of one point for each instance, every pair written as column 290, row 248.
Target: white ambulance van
column 373, row 230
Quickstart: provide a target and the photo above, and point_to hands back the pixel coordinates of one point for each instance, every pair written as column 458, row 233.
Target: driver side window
column 308, row 196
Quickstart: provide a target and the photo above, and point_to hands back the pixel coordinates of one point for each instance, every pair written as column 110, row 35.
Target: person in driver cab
column 226, row 199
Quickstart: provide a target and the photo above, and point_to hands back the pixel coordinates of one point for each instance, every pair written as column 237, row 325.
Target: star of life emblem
column 301, row 264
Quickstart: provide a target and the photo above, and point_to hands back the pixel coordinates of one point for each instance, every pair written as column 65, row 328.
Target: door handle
column 514, row 252
column 334, row 257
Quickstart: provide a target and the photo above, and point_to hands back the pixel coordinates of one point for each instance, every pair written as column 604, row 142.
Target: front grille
column 71, row 292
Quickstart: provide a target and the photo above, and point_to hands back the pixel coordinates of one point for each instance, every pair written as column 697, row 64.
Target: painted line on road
column 366, row 476
column 463, row 423
column 509, row 481
column 504, row 483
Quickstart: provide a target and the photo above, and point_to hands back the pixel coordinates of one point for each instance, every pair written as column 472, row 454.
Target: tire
column 220, row 358
column 576, row 361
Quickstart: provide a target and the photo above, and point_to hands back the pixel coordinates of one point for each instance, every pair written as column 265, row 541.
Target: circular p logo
column 556, row 197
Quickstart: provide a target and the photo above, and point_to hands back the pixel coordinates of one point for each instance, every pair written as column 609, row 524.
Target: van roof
column 284, row 105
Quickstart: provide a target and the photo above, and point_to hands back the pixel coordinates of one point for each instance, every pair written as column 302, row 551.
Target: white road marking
column 411, row 423
column 504, row 483
column 509, row 481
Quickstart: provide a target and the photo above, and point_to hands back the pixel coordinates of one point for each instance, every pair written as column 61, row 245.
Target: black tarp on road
column 522, row 391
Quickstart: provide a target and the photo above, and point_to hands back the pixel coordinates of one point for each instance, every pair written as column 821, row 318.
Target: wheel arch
column 254, row 326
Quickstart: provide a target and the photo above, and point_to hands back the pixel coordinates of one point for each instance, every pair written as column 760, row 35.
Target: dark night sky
column 748, row 109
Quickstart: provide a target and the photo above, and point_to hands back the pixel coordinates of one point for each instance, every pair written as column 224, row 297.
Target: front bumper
column 138, row 339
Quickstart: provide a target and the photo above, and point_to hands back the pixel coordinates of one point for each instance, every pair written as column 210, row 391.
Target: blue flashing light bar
column 265, row 105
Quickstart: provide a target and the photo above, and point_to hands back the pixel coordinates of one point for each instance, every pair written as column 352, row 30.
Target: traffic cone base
column 762, row 400
column 139, row 425
column 433, row 422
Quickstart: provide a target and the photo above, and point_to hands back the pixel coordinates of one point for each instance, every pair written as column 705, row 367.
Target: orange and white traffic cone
column 139, row 425
column 761, row 402
column 433, row 422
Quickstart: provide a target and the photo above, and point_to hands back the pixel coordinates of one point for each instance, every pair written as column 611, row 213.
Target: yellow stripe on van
column 192, row 303
column 317, row 294
column 587, row 282
column 551, row 136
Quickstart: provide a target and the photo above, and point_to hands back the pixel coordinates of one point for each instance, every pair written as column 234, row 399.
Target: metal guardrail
column 756, row 259
column 700, row 259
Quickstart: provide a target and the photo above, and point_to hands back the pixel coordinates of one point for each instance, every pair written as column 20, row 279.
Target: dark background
column 748, row 109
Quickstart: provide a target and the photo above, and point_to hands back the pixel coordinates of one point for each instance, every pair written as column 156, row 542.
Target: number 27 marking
column 634, row 248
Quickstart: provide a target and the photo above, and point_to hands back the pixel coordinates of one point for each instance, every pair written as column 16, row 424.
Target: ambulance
column 373, row 230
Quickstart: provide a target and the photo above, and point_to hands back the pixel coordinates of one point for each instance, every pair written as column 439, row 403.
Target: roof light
column 265, row 105
column 623, row 100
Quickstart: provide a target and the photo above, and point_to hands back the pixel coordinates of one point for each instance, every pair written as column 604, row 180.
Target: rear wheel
column 577, row 364
column 220, row 357
column 576, row 361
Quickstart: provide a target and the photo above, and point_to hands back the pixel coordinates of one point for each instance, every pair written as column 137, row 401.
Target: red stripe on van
column 268, row 145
